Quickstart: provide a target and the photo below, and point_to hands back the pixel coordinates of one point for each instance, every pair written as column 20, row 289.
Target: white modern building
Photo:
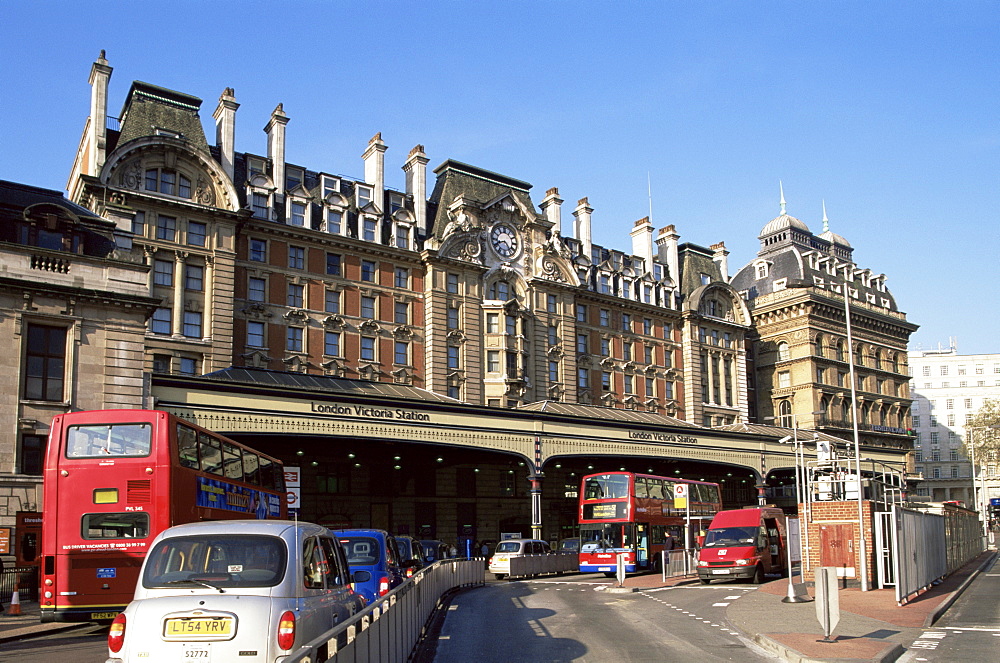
column 948, row 389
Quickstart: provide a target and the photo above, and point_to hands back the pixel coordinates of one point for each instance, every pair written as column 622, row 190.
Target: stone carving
column 204, row 194
column 131, row 177
column 551, row 271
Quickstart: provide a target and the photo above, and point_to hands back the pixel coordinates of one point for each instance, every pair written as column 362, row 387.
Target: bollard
column 15, row 604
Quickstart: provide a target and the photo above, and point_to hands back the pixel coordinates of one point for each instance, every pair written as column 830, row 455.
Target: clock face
column 504, row 240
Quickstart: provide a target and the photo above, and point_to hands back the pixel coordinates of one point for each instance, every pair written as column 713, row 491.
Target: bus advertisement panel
column 114, row 479
column 639, row 516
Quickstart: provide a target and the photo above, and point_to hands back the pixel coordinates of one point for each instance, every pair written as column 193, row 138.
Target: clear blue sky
column 887, row 110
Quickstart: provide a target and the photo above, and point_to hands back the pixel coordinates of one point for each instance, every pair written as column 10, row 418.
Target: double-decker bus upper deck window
column 232, row 459
column 251, row 468
column 271, row 475
column 641, row 487
column 187, row 446
column 114, row 441
column 131, row 525
column 606, row 486
column 211, row 454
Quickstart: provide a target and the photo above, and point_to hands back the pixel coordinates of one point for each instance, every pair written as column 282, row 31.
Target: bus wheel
column 758, row 575
column 655, row 565
column 610, row 574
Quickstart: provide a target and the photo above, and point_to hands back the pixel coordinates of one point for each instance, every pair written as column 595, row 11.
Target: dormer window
column 334, row 222
column 169, row 182
column 402, row 237
column 166, row 132
column 330, row 185
column 294, row 176
column 255, row 166
column 395, row 202
column 369, row 227
column 364, row 196
column 761, row 269
column 260, row 203
column 297, row 213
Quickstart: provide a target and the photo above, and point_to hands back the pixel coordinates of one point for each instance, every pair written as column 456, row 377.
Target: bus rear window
column 114, row 441
column 131, row 525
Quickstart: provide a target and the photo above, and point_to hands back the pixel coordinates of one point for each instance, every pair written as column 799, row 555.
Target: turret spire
column 781, row 188
column 826, row 221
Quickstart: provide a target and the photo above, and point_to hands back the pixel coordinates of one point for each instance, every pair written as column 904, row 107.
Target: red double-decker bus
column 114, row 479
column 639, row 515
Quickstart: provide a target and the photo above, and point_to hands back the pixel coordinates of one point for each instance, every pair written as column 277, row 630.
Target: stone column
column 178, row 320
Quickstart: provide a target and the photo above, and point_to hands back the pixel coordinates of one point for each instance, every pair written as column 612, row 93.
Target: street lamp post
column 862, row 543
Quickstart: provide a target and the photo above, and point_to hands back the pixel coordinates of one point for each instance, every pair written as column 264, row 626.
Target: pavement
column 872, row 626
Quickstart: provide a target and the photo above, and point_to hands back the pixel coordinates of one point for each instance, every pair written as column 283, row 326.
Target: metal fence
column 533, row 565
column 680, row 562
column 24, row 579
column 388, row 630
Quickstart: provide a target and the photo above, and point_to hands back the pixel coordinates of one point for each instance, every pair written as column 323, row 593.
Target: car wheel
column 705, row 581
column 758, row 575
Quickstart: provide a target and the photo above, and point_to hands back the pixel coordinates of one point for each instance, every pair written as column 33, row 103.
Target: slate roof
column 149, row 107
column 460, row 179
column 305, row 382
column 605, row 413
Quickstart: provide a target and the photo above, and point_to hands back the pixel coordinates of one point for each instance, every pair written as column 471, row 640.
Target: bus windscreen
column 110, row 441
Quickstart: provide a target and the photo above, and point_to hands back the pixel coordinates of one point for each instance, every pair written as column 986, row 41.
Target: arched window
column 878, row 359
column 840, row 350
column 824, row 405
column 785, row 414
column 500, row 290
column 819, row 345
column 895, row 363
column 845, row 410
column 859, row 355
column 783, row 354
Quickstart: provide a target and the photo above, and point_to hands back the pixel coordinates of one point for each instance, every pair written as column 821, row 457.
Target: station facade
column 462, row 298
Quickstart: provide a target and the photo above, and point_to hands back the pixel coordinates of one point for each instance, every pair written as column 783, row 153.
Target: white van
column 234, row 590
column 500, row 561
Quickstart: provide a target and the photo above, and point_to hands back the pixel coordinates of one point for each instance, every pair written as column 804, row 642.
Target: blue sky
column 885, row 110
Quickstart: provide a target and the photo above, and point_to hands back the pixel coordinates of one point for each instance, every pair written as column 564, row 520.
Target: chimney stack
column 666, row 244
column 225, row 129
column 551, row 208
column 276, row 147
column 100, row 74
column 642, row 241
column 720, row 257
column 416, row 185
column 582, row 213
column 374, row 157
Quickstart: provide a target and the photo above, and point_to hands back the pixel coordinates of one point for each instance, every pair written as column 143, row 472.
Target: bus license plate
column 603, row 568
column 197, row 653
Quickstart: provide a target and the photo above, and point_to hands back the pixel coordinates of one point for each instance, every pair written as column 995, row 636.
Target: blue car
column 376, row 565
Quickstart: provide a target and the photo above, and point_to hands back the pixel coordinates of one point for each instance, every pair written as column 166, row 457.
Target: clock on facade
column 504, row 240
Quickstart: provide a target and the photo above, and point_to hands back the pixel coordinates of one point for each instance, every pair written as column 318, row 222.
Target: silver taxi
column 237, row 590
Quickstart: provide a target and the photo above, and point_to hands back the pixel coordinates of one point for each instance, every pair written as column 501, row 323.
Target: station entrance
column 413, row 462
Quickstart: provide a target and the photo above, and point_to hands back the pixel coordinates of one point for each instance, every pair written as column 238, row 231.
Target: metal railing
column 24, row 579
column 533, row 565
column 388, row 630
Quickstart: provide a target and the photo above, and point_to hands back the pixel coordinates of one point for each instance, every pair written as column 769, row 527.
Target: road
column 87, row 644
column 969, row 630
column 577, row 619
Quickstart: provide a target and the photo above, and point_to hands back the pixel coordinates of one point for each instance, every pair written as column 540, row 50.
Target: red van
column 744, row 544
